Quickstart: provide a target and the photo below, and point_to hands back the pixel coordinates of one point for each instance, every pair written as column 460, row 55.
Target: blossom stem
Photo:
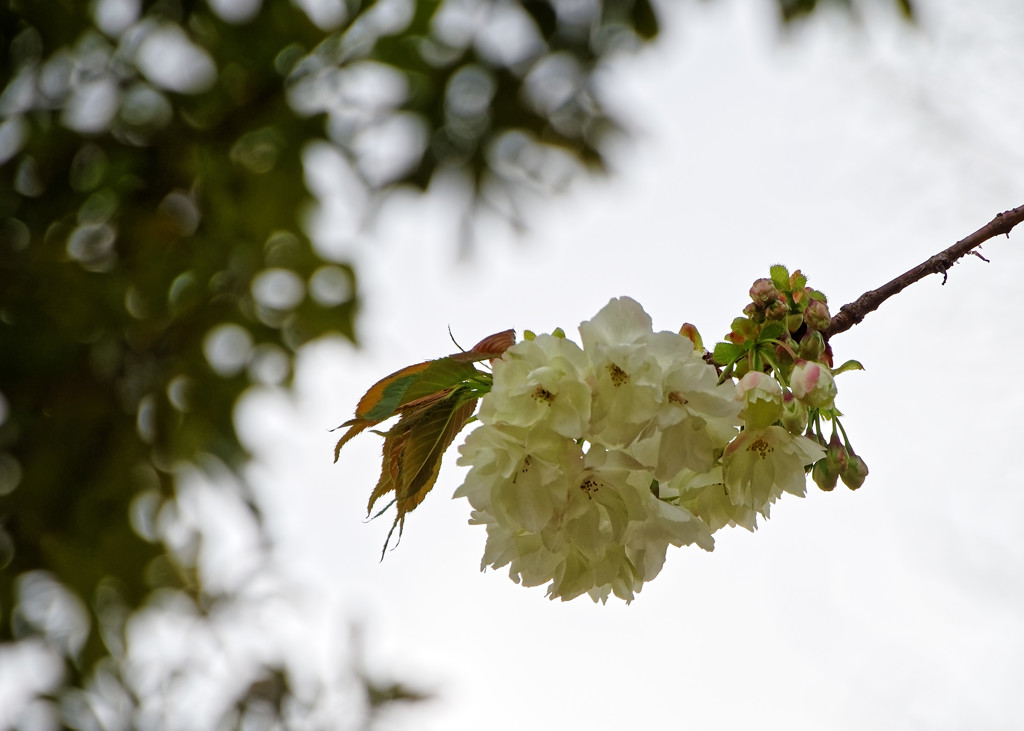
column 785, row 347
column 846, row 439
column 815, row 419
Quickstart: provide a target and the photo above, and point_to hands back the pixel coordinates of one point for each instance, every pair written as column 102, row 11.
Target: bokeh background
column 850, row 145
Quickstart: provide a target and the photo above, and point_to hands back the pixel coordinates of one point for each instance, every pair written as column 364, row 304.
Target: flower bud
column 822, row 477
column 755, row 313
column 855, row 473
column 816, row 315
column 777, row 310
column 762, row 397
column 813, row 384
column 812, row 345
column 794, row 413
column 836, row 457
column 763, row 292
column 689, row 331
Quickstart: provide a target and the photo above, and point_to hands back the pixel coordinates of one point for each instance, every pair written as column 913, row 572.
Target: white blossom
column 704, row 494
column 540, row 382
column 653, row 393
column 584, row 523
column 627, row 380
column 760, row 464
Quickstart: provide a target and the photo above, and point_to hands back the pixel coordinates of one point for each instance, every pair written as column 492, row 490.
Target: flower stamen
column 590, row 486
column 619, row 377
column 761, row 448
column 542, row 394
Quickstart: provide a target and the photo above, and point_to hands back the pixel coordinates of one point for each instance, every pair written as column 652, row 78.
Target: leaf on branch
column 435, row 400
column 414, row 447
column 405, row 388
column 780, row 277
column 771, row 331
column 726, row 353
column 850, row 365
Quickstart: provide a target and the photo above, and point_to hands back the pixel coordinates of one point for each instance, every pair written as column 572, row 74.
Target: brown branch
column 851, row 314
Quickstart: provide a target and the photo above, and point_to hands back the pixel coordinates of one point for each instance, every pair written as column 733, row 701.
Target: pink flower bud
column 855, row 473
column 816, row 315
column 754, row 313
column 836, row 457
column 776, row 310
column 763, row 292
column 762, row 397
column 822, row 477
column 813, row 384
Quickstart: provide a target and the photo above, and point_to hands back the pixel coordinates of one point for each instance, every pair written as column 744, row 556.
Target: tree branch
column 851, row 314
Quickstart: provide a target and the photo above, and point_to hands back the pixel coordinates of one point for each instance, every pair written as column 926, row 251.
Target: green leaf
column 414, row 447
column 429, row 437
column 744, row 327
column 405, row 387
column 850, row 365
column 726, row 353
column 772, row 331
column 780, row 277
column 439, row 375
column 382, row 401
column 389, row 394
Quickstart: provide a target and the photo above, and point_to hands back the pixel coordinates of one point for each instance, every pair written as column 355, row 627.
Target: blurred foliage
column 153, row 258
column 790, row 10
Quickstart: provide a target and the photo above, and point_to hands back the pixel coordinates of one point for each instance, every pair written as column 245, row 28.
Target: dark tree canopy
column 153, row 258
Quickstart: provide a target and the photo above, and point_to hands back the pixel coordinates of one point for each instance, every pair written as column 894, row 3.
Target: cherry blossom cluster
column 593, row 458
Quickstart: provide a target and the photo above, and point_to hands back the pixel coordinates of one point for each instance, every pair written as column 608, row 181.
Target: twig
column 851, row 314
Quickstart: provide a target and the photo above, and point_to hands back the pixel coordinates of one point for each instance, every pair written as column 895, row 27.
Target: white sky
column 852, row 156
